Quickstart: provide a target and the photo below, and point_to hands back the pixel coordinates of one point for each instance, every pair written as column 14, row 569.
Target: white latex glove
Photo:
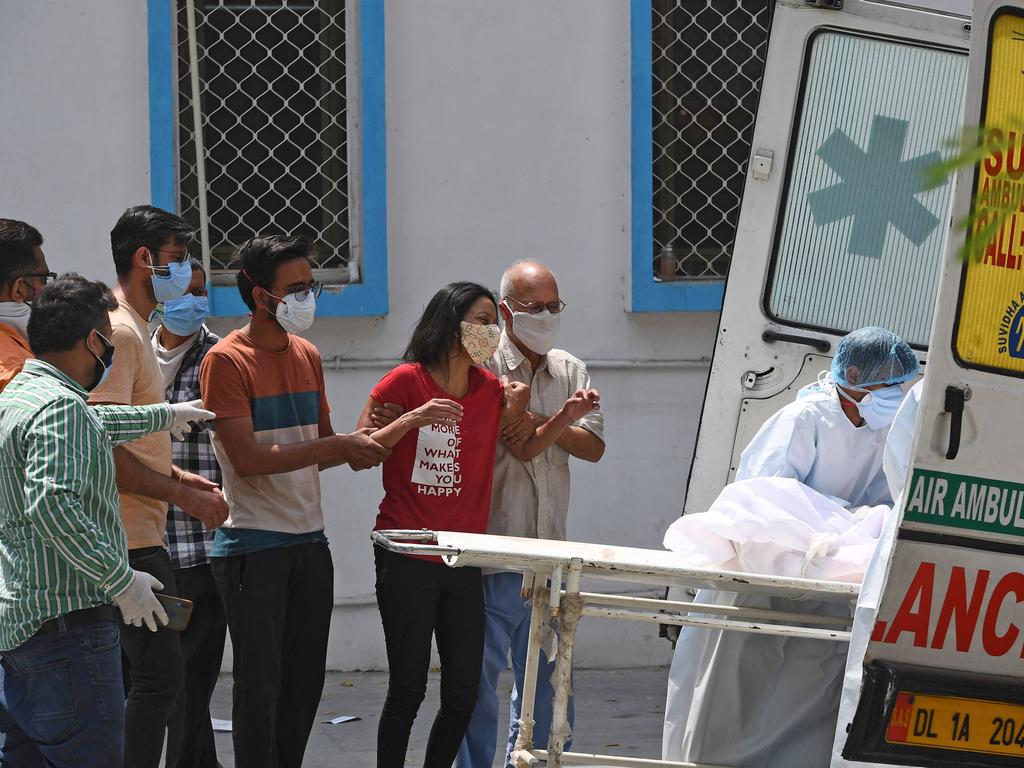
column 186, row 412
column 138, row 604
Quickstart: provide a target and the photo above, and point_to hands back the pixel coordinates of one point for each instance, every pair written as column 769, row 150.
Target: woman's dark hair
column 439, row 327
column 67, row 310
column 257, row 261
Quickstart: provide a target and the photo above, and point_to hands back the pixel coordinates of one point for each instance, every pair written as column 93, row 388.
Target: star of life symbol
column 877, row 188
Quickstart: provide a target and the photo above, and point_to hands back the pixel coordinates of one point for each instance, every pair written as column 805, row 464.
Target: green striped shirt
column 62, row 545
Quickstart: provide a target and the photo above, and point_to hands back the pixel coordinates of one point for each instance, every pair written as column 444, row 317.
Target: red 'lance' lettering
column 915, row 612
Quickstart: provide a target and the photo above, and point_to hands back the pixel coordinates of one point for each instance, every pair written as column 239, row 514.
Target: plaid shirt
column 187, row 541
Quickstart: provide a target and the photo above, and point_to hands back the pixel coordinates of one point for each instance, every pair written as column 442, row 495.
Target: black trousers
column 419, row 599
column 190, row 742
column 154, row 670
column 278, row 604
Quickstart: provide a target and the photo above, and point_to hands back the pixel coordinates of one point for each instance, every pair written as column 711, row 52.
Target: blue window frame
column 366, row 298
column 647, row 294
column 696, row 79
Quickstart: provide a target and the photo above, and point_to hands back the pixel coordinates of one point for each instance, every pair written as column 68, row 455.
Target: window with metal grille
column 272, row 84
column 707, row 63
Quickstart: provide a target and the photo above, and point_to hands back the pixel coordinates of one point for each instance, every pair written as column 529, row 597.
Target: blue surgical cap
column 873, row 355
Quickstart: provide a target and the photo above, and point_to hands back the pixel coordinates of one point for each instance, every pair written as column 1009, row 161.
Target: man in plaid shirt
column 180, row 342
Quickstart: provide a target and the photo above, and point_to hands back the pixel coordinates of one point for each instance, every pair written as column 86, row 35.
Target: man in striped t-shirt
column 63, row 551
column 270, row 559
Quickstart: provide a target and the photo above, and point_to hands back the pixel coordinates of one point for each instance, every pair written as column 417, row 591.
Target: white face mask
column 16, row 314
column 294, row 315
column 879, row 406
column 480, row 341
column 538, row 332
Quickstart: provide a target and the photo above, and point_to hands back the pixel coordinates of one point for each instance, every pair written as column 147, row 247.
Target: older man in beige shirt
column 530, row 497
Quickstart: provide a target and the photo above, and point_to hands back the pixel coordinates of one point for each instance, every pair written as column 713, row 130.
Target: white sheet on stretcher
column 756, row 700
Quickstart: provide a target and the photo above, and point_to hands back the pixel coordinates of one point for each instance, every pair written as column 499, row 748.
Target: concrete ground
column 617, row 712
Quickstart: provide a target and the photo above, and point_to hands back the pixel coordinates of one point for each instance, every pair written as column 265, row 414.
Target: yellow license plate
column 950, row 722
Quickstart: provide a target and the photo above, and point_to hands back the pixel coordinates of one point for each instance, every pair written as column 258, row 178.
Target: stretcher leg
column 569, row 615
column 538, row 614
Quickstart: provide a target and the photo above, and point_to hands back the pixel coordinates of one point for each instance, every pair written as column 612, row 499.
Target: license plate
column 950, row 722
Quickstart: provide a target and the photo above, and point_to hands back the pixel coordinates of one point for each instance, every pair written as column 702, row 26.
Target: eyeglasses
column 302, row 294
column 46, row 276
column 178, row 258
column 536, row 307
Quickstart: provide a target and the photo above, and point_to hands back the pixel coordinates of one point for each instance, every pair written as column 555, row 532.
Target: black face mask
column 103, row 362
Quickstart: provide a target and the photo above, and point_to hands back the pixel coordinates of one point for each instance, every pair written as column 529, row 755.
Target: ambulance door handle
column 819, row 344
column 954, row 406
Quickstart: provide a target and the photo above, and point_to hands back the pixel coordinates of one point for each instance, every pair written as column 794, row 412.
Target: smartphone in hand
column 179, row 611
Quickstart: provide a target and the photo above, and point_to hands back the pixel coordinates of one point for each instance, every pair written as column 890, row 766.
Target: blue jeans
column 62, row 700
column 507, row 629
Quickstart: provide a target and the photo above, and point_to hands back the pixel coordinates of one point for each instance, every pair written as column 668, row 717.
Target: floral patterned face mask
column 480, row 341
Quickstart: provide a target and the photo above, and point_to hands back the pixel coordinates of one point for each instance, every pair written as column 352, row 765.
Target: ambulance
column 942, row 680
column 839, row 230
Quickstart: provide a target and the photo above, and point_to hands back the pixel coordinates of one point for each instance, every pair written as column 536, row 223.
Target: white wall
column 74, row 123
column 508, row 136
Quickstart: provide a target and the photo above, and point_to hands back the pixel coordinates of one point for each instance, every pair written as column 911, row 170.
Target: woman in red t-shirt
column 439, row 477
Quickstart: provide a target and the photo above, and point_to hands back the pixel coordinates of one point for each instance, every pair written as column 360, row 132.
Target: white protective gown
column 760, row 701
column 813, row 441
column 896, row 462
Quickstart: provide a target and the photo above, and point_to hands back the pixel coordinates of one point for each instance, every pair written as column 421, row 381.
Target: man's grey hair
column 505, row 287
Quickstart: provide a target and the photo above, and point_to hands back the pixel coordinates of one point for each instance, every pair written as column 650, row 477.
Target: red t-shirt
column 439, row 477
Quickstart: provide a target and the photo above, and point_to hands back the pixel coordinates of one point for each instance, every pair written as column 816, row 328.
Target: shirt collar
column 198, row 338
column 9, row 330
column 512, row 355
column 37, row 367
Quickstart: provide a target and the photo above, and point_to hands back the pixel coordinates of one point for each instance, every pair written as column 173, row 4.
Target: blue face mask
column 878, row 407
column 172, row 285
column 185, row 315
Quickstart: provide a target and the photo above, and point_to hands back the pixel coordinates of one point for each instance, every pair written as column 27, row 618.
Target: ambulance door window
column 860, row 239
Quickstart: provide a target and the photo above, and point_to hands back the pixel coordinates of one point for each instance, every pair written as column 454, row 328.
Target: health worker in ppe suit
column 832, row 438
column 762, row 701
column 896, row 463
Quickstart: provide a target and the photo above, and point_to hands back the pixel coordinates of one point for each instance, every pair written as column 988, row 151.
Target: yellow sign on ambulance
column 991, row 328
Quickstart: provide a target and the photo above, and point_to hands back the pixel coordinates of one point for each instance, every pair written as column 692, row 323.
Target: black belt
column 76, row 619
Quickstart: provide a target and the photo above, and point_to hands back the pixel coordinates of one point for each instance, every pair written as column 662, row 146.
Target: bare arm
column 559, row 428
column 135, row 477
column 196, row 495
column 326, row 430
column 250, row 458
column 543, row 437
column 436, row 411
column 582, row 443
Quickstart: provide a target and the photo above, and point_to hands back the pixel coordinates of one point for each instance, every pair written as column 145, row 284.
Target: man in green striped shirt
column 63, row 550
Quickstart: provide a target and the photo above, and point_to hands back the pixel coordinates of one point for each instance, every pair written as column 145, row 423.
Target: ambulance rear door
column 943, row 673
column 836, row 229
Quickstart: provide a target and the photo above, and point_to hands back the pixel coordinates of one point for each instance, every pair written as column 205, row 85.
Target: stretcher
column 552, row 571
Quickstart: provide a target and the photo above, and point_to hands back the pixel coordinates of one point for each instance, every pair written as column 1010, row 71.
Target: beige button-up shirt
column 531, row 498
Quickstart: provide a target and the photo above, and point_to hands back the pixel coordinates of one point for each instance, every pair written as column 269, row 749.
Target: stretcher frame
column 557, row 609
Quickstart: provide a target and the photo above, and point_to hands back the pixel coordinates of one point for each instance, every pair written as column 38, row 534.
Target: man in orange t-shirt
column 23, row 272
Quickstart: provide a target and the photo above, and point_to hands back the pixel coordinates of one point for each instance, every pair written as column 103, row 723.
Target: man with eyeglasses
column 150, row 250
column 270, row 560
column 531, row 491
column 23, row 273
